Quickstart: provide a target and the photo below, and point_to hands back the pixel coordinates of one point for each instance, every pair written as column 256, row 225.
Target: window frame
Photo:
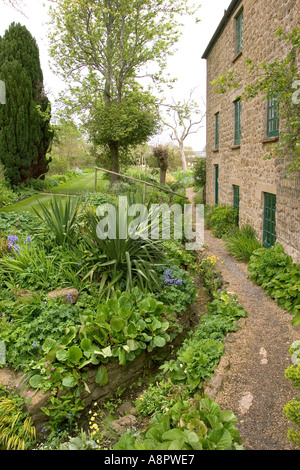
column 236, row 201
column 269, row 224
column 272, row 117
column 217, row 173
column 217, row 130
column 239, row 32
column 237, row 122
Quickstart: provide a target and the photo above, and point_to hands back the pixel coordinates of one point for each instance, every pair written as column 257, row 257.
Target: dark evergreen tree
column 25, row 131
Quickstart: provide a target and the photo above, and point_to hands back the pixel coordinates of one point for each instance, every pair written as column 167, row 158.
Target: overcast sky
column 186, row 65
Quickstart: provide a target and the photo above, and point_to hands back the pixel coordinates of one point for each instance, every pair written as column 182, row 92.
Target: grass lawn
column 80, row 185
column 28, row 204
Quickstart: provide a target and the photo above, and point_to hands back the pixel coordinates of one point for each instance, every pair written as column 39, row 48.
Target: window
column 269, row 231
column 217, row 121
column 237, row 121
column 239, row 23
column 216, row 185
column 272, row 118
column 236, row 202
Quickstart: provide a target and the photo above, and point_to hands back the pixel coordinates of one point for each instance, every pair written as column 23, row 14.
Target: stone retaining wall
column 119, row 377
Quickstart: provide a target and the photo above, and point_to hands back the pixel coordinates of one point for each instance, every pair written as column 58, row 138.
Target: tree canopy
column 102, row 49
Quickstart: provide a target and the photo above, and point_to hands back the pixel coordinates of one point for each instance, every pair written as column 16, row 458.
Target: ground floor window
column 216, row 185
column 236, row 201
column 269, row 229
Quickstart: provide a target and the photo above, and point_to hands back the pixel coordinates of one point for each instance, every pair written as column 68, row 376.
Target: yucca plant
column 60, row 216
column 124, row 261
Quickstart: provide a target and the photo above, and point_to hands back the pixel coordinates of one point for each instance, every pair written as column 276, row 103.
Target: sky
column 186, row 65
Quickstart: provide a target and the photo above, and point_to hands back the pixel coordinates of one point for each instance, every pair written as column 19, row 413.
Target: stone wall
column 246, row 165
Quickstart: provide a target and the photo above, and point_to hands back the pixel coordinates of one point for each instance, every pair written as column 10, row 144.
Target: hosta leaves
column 36, row 381
column 69, row 381
column 221, row 438
column 74, row 354
column 101, row 376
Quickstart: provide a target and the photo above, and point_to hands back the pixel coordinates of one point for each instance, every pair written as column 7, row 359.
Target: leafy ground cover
column 119, row 312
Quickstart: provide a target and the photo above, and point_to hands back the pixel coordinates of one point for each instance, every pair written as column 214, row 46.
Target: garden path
column 255, row 388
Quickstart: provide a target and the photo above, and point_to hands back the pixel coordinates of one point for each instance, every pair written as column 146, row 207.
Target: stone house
column 240, row 133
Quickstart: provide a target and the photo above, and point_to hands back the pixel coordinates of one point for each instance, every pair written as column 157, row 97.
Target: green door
column 269, row 232
column 236, row 202
column 216, row 185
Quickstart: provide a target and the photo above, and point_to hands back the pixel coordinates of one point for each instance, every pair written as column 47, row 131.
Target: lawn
column 80, row 185
column 27, row 205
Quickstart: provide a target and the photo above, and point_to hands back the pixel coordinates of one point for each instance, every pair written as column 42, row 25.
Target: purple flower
column 34, row 344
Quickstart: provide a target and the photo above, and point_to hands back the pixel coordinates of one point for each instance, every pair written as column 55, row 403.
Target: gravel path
column 255, row 389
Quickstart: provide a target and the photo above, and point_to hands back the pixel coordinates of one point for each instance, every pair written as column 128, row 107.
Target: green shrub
column 11, row 222
column 17, row 431
column 32, row 323
column 292, row 408
column 32, row 267
column 220, row 219
column 7, row 195
column 211, row 276
column 200, row 353
column 199, row 171
column 277, row 274
column 119, row 330
column 198, row 199
column 160, row 396
column 180, row 256
column 241, row 243
column 177, row 288
column 193, row 424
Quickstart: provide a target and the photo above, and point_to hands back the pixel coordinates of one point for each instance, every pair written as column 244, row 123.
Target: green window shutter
column 272, row 118
column 237, row 121
column 239, row 25
column 216, row 185
column 236, row 201
column 217, row 122
column 269, row 231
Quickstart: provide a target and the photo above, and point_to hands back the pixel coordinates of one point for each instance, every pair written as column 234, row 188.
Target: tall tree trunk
column 163, row 173
column 183, row 158
column 115, row 165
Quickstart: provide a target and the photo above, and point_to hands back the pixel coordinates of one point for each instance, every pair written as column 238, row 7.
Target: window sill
column 269, row 140
column 215, row 150
column 234, row 147
column 239, row 54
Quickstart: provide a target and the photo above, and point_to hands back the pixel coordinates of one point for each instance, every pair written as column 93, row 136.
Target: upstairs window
column 237, row 121
column 217, row 122
column 239, row 24
column 272, row 118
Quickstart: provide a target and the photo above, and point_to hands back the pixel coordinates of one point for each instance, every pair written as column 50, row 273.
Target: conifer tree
column 25, row 131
